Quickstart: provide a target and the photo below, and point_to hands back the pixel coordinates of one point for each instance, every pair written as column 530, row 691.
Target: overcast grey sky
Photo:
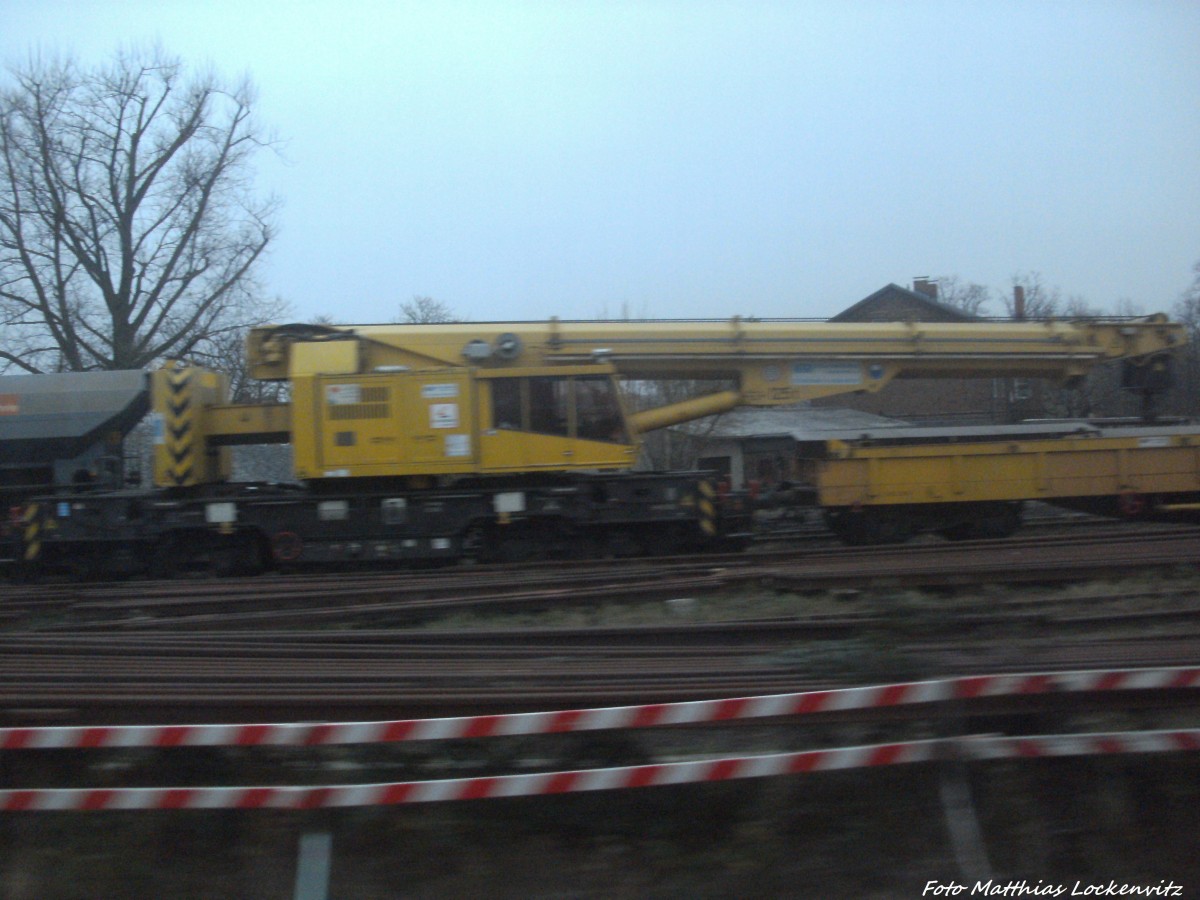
column 525, row 159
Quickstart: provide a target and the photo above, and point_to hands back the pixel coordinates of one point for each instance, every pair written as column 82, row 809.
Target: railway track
column 346, row 644
column 206, row 674
column 412, row 596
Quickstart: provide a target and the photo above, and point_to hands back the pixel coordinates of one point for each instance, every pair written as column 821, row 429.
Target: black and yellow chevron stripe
column 179, row 423
column 707, row 508
column 33, row 532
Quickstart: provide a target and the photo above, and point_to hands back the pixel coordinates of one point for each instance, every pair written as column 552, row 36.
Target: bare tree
column 129, row 230
column 1187, row 311
column 625, row 315
column 1076, row 306
column 1041, row 302
column 227, row 353
column 678, row 447
column 426, row 311
column 1187, row 308
column 968, row 297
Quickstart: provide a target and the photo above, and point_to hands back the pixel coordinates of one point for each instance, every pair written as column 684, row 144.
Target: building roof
column 800, row 422
column 921, row 307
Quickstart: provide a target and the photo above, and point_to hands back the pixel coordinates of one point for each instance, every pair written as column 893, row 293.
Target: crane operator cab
column 561, row 420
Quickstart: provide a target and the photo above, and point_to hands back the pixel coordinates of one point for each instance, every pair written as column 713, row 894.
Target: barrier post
column 962, row 822
column 312, row 866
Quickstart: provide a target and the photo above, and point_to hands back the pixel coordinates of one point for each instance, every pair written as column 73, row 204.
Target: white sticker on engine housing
column 343, row 394
column 443, row 415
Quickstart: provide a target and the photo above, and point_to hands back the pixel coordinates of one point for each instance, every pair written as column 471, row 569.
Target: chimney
column 1018, row 302
column 923, row 285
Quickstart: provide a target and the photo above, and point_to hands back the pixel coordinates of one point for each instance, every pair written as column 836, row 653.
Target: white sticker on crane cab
column 439, row 391
column 458, row 445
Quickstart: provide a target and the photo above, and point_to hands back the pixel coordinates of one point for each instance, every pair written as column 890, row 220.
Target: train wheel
column 1132, row 506
column 870, row 526
column 887, row 528
column 623, row 546
column 519, row 548
column 963, row 531
column 165, row 558
column 846, row 526
column 203, row 554
column 1001, row 523
column 180, row 554
column 527, row 541
column 998, row 520
column 241, row 555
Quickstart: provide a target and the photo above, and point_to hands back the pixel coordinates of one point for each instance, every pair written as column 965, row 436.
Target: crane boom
column 715, row 349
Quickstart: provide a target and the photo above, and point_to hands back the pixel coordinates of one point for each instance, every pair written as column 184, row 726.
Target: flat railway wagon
column 427, row 444
column 885, row 485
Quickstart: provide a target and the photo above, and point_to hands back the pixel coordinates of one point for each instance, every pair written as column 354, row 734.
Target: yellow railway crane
column 428, row 443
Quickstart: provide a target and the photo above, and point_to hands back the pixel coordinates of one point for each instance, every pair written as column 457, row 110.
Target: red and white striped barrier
column 616, row 717
column 548, row 783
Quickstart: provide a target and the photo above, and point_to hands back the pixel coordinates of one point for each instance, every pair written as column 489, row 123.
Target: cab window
column 506, row 404
column 598, row 410
column 584, row 406
column 550, row 405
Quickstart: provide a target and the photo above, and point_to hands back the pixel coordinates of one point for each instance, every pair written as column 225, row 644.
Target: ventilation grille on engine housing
column 373, row 404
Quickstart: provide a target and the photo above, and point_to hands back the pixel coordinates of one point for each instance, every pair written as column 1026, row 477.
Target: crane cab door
column 438, row 422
